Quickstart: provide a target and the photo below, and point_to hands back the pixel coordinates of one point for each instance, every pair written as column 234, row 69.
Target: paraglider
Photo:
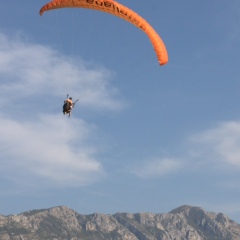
column 119, row 10
column 68, row 106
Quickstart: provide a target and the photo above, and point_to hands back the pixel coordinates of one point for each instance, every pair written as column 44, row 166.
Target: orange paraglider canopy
column 117, row 9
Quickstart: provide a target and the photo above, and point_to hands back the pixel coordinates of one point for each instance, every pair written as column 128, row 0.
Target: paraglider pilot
column 68, row 106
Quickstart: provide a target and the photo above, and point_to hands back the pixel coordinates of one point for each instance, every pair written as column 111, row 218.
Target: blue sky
column 142, row 138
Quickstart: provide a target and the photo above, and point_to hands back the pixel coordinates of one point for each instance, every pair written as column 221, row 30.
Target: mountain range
column 62, row 223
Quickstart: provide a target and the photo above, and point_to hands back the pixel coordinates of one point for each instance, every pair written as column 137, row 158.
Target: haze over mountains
column 63, row 223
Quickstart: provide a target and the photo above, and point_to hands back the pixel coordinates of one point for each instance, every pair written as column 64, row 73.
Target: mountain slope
column 63, row 223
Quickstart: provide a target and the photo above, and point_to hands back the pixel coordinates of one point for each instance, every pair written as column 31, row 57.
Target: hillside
column 63, row 223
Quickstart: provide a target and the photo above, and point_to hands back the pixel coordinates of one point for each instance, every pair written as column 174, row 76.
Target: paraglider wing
column 117, row 9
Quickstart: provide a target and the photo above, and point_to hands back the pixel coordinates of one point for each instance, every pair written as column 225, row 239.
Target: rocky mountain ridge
column 63, row 223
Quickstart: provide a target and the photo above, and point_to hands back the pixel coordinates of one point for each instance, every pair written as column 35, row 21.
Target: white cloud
column 220, row 145
column 28, row 69
column 52, row 151
column 157, row 167
column 41, row 150
column 213, row 149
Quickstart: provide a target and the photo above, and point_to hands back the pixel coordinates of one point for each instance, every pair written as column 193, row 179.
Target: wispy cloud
column 39, row 149
column 219, row 145
column 43, row 152
column 157, row 167
column 28, row 69
column 214, row 149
